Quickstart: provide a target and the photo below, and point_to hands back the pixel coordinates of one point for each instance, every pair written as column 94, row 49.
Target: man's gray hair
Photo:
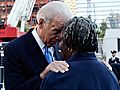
column 52, row 9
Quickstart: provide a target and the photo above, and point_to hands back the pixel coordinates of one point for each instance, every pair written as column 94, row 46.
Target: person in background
column 115, row 64
column 85, row 71
column 113, row 59
column 29, row 58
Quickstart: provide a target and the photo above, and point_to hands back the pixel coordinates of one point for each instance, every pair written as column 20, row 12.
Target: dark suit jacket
column 116, row 69
column 113, row 61
column 23, row 63
column 85, row 73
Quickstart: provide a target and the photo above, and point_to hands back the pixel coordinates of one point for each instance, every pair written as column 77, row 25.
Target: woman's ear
column 41, row 23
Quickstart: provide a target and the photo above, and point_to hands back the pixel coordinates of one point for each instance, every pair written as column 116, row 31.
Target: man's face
column 51, row 31
column 64, row 51
column 113, row 54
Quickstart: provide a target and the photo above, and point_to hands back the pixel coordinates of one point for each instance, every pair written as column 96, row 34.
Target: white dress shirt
column 40, row 42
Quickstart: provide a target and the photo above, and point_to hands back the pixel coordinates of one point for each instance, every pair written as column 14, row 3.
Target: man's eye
column 57, row 31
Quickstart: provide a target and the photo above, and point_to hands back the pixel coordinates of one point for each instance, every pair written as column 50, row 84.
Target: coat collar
column 83, row 56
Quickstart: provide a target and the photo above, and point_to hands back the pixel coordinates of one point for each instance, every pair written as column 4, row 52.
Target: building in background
column 6, row 6
column 113, row 20
column 72, row 5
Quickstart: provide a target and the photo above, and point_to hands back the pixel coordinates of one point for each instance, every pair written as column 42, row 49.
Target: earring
column 70, row 49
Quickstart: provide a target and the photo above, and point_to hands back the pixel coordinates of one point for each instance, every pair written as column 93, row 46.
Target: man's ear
column 41, row 22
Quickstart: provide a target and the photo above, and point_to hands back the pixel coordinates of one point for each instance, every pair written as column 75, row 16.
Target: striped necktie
column 48, row 54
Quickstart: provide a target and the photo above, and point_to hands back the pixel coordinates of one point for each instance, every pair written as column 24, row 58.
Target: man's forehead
column 59, row 23
column 60, row 19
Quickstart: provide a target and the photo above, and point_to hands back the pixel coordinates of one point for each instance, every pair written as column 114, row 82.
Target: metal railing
column 2, row 78
column 1, row 65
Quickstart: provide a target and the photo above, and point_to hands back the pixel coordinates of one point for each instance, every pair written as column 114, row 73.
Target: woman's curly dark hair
column 80, row 34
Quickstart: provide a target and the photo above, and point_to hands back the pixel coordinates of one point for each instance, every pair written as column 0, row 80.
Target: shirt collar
column 40, row 42
column 38, row 39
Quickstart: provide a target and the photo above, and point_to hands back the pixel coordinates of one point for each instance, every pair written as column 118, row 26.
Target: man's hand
column 56, row 66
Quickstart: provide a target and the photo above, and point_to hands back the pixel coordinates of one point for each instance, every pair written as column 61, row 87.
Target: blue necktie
column 48, row 54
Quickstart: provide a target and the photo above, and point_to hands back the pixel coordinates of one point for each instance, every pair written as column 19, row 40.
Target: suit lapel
column 35, row 50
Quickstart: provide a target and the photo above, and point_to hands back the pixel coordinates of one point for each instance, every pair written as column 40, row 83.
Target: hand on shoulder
column 55, row 66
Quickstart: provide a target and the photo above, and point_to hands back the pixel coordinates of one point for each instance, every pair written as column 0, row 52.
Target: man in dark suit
column 115, row 64
column 85, row 72
column 26, row 60
column 113, row 59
